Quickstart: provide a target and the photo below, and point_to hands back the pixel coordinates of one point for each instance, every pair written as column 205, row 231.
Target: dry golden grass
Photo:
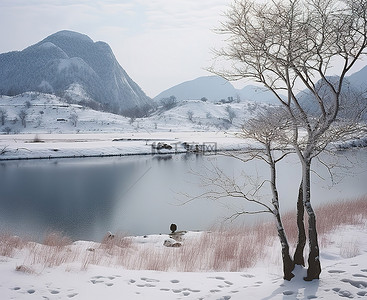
column 117, row 242
column 25, row 269
column 333, row 215
column 57, row 239
column 222, row 249
column 49, row 256
column 329, row 217
column 90, row 257
column 349, row 249
column 9, row 243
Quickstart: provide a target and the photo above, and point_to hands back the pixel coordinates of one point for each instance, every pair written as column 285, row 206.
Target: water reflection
column 85, row 198
column 69, row 196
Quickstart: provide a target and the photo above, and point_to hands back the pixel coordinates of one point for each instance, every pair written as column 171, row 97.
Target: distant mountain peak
column 68, row 58
column 216, row 88
column 213, row 88
column 69, row 35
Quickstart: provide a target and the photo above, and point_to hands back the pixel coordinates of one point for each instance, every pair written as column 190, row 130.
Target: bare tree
column 190, row 115
column 3, row 116
column 270, row 129
column 231, row 114
column 138, row 111
column 290, row 46
column 168, row 103
column 22, row 116
column 7, row 129
column 132, row 120
column 74, row 118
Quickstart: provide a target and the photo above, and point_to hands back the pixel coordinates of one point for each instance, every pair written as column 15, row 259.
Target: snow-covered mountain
column 71, row 65
column 359, row 79
column 257, row 94
column 353, row 96
column 215, row 88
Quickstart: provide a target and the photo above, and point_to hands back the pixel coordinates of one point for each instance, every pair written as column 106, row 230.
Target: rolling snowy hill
column 45, row 113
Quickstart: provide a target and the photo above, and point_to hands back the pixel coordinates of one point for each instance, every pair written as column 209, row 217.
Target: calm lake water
column 85, row 198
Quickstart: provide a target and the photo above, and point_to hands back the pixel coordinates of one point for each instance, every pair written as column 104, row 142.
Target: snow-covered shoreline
column 79, row 145
column 47, row 146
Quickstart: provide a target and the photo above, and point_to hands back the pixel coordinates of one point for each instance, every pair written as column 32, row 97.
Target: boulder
column 171, row 243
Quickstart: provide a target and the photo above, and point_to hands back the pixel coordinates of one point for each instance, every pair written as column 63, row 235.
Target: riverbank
column 142, row 268
column 48, row 146
column 79, row 145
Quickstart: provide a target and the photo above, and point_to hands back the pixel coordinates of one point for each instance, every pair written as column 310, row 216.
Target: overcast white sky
column 160, row 43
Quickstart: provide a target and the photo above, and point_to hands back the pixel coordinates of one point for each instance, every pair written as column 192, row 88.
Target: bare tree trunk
column 301, row 242
column 314, row 266
column 288, row 264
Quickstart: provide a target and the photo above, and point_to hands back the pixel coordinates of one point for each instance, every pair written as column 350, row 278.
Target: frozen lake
column 138, row 195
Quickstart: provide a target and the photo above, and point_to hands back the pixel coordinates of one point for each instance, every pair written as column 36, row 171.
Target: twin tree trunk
column 301, row 242
column 303, row 202
column 288, row 264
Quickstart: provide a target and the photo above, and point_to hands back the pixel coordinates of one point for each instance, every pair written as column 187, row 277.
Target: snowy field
column 89, row 270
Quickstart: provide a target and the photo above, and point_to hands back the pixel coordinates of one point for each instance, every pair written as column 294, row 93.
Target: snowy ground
column 344, row 275
column 99, row 144
column 50, row 129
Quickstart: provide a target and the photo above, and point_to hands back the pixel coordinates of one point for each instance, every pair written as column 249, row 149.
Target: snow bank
column 343, row 276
